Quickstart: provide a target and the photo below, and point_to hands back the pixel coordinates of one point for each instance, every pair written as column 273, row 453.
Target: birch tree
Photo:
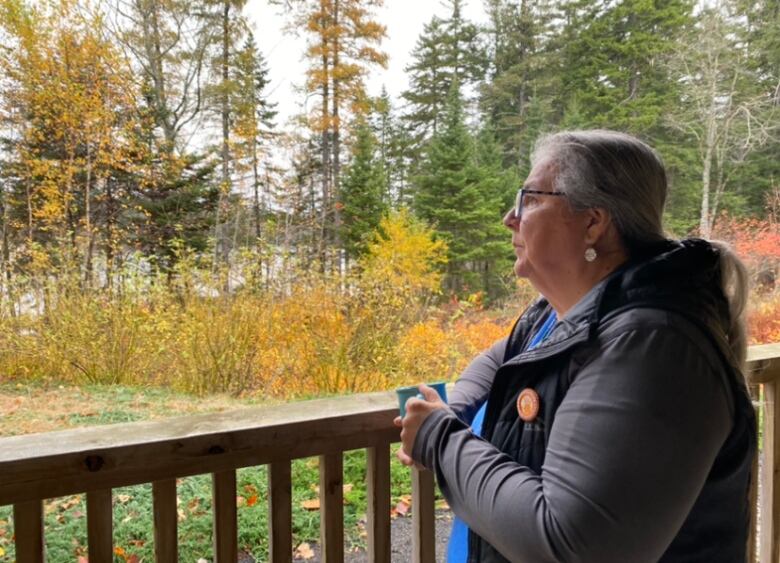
column 723, row 108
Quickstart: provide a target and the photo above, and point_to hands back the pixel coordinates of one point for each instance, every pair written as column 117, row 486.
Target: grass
column 49, row 406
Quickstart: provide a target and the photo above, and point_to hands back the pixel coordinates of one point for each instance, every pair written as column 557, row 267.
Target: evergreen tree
column 611, row 61
column 253, row 124
column 519, row 97
column 458, row 191
column 449, row 51
column 363, row 192
column 395, row 150
column 758, row 180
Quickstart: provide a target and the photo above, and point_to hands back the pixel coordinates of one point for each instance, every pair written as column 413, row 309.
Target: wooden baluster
column 28, row 530
column 423, row 517
column 225, row 517
column 755, row 393
column 770, row 494
column 378, row 501
column 332, row 508
column 280, row 512
column 100, row 541
column 166, row 549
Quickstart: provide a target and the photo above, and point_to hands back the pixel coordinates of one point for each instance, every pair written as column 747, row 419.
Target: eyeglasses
column 521, row 194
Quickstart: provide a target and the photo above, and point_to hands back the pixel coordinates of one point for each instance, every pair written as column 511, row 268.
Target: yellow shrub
column 425, row 353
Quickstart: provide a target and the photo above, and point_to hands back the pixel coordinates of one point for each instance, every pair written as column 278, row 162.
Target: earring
column 590, row 254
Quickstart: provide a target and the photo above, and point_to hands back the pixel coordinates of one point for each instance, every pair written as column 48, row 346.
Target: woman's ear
column 597, row 222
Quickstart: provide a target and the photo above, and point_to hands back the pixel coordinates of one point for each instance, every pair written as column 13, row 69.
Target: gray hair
column 613, row 171
column 734, row 281
column 626, row 177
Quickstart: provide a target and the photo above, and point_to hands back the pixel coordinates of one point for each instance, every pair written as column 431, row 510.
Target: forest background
column 159, row 228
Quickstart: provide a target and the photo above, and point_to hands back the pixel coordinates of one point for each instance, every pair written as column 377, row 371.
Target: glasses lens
column 519, row 203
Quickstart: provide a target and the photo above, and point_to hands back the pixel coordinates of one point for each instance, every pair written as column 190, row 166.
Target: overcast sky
column 284, row 51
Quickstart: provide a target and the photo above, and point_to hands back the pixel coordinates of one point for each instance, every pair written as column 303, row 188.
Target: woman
column 613, row 424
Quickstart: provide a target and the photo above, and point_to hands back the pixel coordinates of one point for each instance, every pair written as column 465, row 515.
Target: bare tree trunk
column 150, row 11
column 326, row 168
column 88, row 222
column 220, row 250
column 9, row 292
column 256, row 185
column 705, row 221
column 337, row 150
column 109, row 236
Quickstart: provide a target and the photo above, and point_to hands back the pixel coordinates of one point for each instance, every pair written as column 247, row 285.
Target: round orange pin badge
column 528, row 404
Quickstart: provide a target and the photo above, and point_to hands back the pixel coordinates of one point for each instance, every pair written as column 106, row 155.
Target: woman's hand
column 417, row 410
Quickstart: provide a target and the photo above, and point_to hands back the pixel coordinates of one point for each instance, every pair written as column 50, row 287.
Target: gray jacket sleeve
column 630, row 448
column 473, row 385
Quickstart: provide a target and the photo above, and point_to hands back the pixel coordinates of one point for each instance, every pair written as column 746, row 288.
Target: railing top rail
column 128, row 434
column 70, row 461
column 763, row 363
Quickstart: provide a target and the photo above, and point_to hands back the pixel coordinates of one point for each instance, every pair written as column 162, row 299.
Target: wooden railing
column 96, row 460
column 763, row 373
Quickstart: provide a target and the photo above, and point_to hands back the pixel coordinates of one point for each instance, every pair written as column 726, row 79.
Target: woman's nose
column 511, row 221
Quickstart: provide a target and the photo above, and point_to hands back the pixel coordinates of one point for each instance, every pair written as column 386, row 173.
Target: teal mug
column 406, row 393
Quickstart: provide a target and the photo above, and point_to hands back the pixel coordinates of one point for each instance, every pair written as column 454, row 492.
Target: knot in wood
column 216, row 450
column 94, row 462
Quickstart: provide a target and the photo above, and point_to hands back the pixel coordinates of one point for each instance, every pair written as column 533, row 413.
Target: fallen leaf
column 82, row 559
column 193, row 504
column 132, row 559
column 347, row 487
column 441, row 504
column 70, row 503
column 137, row 543
column 313, row 504
column 251, row 501
column 202, row 561
column 182, row 516
column 2, row 552
column 119, row 551
column 402, row 508
column 240, row 501
column 251, row 489
column 122, row 499
column 303, row 551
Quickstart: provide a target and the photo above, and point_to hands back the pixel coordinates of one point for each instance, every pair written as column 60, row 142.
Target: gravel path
column 401, row 541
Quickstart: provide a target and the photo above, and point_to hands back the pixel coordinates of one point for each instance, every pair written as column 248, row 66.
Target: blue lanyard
column 458, row 546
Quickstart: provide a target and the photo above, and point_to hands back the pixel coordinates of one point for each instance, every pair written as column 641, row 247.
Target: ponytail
column 734, row 281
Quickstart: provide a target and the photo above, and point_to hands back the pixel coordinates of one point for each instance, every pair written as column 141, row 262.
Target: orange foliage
column 756, row 241
column 764, row 321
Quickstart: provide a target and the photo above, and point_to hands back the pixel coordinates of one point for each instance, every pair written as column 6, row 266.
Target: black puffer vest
column 682, row 278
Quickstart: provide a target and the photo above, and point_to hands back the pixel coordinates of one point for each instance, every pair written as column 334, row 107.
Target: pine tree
column 520, row 96
column 253, row 124
column 363, row 192
column 611, row 61
column 449, row 51
column 758, row 180
column 459, row 191
column 395, row 149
